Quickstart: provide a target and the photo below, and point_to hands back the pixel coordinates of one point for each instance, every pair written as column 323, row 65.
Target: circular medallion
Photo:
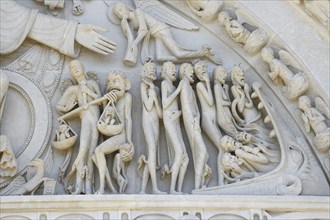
column 26, row 120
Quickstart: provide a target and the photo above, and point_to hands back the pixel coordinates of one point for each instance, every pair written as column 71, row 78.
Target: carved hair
column 182, row 69
column 146, row 67
column 82, row 67
column 236, row 72
column 118, row 6
column 112, row 75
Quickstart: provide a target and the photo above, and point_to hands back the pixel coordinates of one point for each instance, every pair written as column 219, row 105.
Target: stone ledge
column 163, row 202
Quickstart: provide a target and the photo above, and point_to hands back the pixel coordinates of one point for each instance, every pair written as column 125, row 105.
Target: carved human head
column 220, row 74
column 304, row 102
column 168, row 70
column 118, row 83
column 228, row 144
column 62, row 128
column 121, row 10
column 200, row 69
column 223, row 17
column 237, row 76
column 148, row 71
column 77, row 70
column 229, row 161
column 244, row 137
column 186, row 69
column 267, row 54
column 126, row 152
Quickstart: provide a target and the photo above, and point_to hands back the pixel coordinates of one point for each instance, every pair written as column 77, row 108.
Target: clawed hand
column 87, row 36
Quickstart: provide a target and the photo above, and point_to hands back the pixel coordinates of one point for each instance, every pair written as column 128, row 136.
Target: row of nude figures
column 229, row 125
column 235, row 127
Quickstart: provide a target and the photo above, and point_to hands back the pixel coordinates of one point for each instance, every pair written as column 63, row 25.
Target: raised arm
column 143, row 28
column 167, row 100
column 68, row 100
column 147, row 101
column 206, row 92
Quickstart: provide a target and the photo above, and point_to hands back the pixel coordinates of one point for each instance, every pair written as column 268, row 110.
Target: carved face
column 201, row 72
column 169, row 70
column 189, row 73
column 77, row 70
column 304, row 103
column 116, row 84
column 229, row 144
column 238, row 76
column 229, row 161
column 244, row 137
column 220, row 74
column 267, row 54
column 121, row 10
column 149, row 71
column 62, row 128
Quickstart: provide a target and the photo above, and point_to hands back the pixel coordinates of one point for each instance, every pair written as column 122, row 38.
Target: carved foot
column 99, row 192
column 157, row 191
column 175, row 192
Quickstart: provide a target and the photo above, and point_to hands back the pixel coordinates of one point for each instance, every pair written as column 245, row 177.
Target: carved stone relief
column 217, row 130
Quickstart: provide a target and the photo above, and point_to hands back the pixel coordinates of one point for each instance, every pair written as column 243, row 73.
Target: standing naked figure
column 221, row 92
column 242, row 103
column 147, row 26
column 314, row 120
column 209, row 115
column 151, row 114
column 294, row 85
column 121, row 139
column 191, row 119
column 83, row 93
column 171, row 115
column 251, row 38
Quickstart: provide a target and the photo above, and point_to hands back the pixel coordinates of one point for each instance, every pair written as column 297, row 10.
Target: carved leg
column 182, row 172
column 144, row 179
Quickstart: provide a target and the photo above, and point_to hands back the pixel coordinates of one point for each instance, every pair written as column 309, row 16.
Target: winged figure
column 281, row 72
column 153, row 19
column 239, row 27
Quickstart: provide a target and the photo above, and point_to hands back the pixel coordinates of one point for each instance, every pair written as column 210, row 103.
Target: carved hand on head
column 78, row 8
column 87, row 36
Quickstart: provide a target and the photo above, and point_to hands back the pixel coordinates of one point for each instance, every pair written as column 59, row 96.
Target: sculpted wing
column 164, row 14
column 322, row 106
column 288, row 60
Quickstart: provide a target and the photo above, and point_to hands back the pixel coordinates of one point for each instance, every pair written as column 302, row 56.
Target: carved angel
column 313, row 119
column 240, row 29
column 294, row 84
column 318, row 9
column 152, row 19
column 207, row 10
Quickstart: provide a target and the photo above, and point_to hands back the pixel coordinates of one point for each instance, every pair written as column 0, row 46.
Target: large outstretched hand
column 87, row 36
